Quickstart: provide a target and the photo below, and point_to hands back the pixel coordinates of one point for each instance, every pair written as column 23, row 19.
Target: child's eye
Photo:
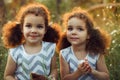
column 80, row 29
column 39, row 26
column 28, row 25
column 70, row 29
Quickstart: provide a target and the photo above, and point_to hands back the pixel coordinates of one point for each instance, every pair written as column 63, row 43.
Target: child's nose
column 73, row 31
column 33, row 30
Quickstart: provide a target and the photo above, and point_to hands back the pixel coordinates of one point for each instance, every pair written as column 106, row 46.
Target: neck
column 79, row 47
column 32, row 48
column 79, row 51
column 33, row 44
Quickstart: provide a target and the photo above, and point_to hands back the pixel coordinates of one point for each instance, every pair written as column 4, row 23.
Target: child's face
column 33, row 28
column 77, row 31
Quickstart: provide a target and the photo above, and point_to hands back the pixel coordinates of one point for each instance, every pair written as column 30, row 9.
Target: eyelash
column 38, row 26
column 28, row 25
column 80, row 29
column 70, row 29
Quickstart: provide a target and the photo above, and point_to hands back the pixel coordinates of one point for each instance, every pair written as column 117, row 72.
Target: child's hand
column 84, row 67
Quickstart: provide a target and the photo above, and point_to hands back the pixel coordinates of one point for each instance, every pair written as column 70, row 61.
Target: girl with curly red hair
column 31, row 42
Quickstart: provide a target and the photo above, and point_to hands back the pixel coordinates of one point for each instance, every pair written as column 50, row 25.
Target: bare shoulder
column 10, row 60
column 10, row 66
column 101, row 64
column 101, row 58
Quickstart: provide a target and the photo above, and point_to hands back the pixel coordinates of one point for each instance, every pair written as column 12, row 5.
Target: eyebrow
column 40, row 24
column 75, row 26
column 37, row 24
column 79, row 26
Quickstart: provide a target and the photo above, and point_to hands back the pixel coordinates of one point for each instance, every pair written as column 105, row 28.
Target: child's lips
column 33, row 36
column 73, row 38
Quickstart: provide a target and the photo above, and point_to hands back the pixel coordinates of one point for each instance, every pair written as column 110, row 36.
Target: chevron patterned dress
column 35, row 63
column 73, row 62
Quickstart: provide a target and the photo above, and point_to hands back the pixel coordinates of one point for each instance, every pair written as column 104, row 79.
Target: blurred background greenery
column 106, row 13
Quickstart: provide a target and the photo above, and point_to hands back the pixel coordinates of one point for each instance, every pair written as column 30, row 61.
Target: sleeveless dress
column 71, row 59
column 38, row 63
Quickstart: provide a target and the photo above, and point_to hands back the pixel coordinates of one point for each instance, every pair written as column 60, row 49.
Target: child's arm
column 65, row 73
column 10, row 69
column 54, row 72
column 102, row 72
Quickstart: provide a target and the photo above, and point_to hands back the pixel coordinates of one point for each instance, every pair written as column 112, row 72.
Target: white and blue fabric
column 38, row 63
column 71, row 59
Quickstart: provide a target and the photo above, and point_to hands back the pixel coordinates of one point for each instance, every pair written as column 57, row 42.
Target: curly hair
column 12, row 35
column 33, row 8
column 99, row 40
column 12, row 32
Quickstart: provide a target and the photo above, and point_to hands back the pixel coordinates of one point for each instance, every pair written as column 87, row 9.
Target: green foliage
column 112, row 59
column 3, row 59
column 108, row 18
column 58, row 66
column 57, row 8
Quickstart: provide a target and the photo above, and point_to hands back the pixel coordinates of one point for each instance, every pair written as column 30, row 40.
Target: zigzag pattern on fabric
column 39, row 63
column 73, row 62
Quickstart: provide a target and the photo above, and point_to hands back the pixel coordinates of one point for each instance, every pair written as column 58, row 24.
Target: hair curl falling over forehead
column 81, row 14
column 34, row 8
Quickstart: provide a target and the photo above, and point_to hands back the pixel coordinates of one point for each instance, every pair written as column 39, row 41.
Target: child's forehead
column 34, row 20
column 31, row 16
column 76, row 22
column 36, row 12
